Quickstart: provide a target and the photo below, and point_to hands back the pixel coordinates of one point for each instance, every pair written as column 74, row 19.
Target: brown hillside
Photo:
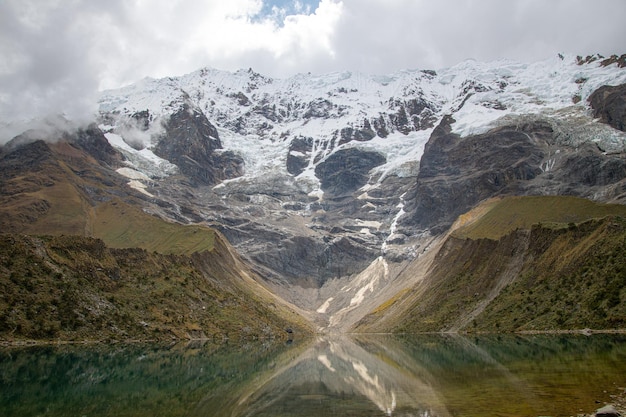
column 76, row 288
column 549, row 277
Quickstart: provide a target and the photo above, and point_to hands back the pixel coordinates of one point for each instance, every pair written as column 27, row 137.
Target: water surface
column 434, row 375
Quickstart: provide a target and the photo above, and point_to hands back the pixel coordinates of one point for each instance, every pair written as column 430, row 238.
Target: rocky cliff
column 329, row 185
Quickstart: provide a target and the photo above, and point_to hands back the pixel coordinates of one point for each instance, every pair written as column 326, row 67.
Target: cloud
column 386, row 35
column 51, row 64
column 57, row 54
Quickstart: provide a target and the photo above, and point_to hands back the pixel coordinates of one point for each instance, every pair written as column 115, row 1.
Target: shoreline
column 618, row 403
column 217, row 340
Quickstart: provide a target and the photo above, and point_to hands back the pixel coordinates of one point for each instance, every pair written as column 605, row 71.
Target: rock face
column 347, row 170
column 193, row 143
column 316, row 177
column 89, row 139
column 299, row 155
column 93, row 141
column 528, row 158
column 456, row 173
column 609, row 104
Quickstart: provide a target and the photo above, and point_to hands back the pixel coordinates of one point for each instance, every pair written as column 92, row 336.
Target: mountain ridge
column 284, row 131
column 541, row 278
column 330, row 187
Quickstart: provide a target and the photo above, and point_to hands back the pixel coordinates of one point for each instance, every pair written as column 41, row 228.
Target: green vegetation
column 573, row 278
column 520, row 264
column 121, row 225
column 504, row 216
column 76, row 288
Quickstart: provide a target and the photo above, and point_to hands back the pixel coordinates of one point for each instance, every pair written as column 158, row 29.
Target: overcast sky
column 55, row 55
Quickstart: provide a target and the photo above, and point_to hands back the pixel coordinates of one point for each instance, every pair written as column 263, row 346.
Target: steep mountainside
column 165, row 281
column 76, row 288
column 337, row 189
column 334, row 181
column 520, row 264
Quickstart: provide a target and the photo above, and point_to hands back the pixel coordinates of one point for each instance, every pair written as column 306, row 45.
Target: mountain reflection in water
column 330, row 376
column 338, row 376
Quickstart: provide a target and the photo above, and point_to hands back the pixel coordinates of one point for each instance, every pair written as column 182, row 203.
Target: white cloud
column 56, row 54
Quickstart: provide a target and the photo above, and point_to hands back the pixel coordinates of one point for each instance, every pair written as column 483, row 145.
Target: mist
column 58, row 55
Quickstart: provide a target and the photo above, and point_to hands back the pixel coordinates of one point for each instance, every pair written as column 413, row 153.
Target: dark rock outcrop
column 348, row 134
column 299, row 155
column 192, row 143
column 591, row 167
column 308, row 262
column 16, row 157
column 456, row 173
column 412, row 115
column 609, row 104
column 32, row 147
column 93, row 141
column 346, row 170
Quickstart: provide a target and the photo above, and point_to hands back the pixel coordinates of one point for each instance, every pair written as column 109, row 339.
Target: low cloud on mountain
column 57, row 55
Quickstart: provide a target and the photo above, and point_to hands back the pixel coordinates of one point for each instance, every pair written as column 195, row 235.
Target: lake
column 427, row 375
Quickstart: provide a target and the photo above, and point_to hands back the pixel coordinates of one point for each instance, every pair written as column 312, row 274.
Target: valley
column 486, row 197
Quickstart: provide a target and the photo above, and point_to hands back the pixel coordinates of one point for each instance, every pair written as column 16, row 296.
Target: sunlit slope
column 556, row 263
column 498, row 217
column 74, row 288
column 121, row 225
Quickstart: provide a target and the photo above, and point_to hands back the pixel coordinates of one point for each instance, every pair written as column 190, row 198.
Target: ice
column 143, row 161
column 258, row 117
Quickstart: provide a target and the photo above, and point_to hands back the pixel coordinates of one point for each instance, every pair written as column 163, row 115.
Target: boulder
column 607, row 411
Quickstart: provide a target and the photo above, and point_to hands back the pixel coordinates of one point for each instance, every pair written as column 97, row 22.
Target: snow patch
column 133, row 174
column 144, row 160
column 139, row 186
column 367, row 281
column 322, row 309
column 326, row 362
column 136, row 179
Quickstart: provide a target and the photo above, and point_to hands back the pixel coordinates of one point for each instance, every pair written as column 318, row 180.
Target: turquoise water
column 329, row 376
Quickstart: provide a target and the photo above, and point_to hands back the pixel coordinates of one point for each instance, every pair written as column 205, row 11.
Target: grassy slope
column 69, row 286
column 76, row 288
column 496, row 218
column 573, row 278
column 559, row 275
column 121, row 225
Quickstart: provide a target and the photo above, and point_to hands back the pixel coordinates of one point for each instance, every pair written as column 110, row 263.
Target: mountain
column 339, row 191
column 540, row 263
column 82, row 259
column 335, row 181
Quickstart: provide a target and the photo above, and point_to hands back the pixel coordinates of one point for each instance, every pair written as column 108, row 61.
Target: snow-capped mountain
column 318, row 177
column 332, row 109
